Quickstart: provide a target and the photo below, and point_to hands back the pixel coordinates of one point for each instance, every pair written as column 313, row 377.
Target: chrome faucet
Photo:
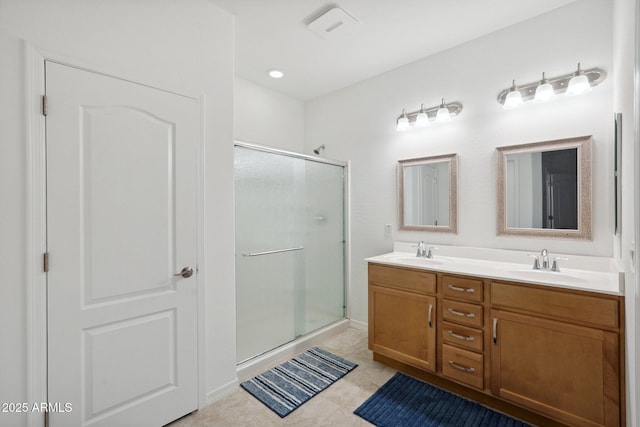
column 423, row 251
column 536, row 260
column 545, row 259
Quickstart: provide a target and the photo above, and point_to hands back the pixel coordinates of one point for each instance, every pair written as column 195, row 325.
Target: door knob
column 186, row 272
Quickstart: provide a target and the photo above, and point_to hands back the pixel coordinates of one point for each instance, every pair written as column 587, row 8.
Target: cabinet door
column 402, row 326
column 568, row 372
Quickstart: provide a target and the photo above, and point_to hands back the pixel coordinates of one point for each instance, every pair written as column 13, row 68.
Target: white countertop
column 585, row 273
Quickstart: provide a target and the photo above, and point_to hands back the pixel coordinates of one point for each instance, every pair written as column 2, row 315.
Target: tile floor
column 332, row 408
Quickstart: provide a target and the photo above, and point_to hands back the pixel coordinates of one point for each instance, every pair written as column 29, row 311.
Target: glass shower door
column 289, row 248
column 324, row 247
column 267, row 192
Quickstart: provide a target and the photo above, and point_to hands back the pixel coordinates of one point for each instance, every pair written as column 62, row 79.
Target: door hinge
column 45, row 107
column 46, row 418
column 45, row 262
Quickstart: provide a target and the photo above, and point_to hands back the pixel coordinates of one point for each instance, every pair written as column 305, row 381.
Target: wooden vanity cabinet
column 402, row 315
column 555, row 352
column 565, row 365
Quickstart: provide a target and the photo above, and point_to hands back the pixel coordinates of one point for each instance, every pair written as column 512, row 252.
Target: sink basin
column 543, row 275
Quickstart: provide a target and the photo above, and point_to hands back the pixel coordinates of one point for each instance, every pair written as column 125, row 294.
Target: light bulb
column 579, row 83
column 544, row 91
column 403, row 122
column 422, row 120
column 275, row 74
column 443, row 114
column 513, row 98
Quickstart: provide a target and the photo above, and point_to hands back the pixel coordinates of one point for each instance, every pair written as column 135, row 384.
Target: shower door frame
column 346, row 210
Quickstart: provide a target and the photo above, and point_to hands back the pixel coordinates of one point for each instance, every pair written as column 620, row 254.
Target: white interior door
column 121, row 215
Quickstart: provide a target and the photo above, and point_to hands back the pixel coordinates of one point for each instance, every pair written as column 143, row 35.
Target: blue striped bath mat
column 286, row 387
column 408, row 402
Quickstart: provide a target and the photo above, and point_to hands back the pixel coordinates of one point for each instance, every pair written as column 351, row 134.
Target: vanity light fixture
column 576, row 83
column 424, row 116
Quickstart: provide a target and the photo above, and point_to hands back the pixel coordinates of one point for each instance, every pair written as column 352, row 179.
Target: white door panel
column 121, row 212
column 128, row 196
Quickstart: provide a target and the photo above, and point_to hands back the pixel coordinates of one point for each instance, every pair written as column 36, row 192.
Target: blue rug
column 286, row 387
column 406, row 402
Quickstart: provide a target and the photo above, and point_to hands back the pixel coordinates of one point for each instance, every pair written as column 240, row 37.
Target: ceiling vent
column 333, row 23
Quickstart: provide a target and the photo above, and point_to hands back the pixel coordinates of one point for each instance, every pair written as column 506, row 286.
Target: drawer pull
column 461, row 337
column 462, row 368
column 461, row 314
column 458, row 289
column 429, row 316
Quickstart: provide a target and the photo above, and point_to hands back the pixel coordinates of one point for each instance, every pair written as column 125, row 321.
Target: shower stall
column 290, row 246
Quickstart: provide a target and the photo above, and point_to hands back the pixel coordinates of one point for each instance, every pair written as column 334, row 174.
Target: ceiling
column 273, row 34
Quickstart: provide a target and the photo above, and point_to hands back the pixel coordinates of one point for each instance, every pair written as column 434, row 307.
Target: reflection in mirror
column 542, row 189
column 545, row 189
column 427, row 193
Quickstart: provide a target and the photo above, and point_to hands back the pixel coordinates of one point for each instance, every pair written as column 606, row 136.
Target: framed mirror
column 427, row 190
column 544, row 189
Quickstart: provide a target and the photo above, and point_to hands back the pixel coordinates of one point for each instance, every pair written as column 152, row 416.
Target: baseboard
column 221, row 392
column 356, row 324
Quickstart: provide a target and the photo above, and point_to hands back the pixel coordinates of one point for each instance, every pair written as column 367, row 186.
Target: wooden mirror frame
column 583, row 145
column 453, row 193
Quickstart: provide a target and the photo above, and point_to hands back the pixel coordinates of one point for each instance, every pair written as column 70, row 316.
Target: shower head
column 320, row 148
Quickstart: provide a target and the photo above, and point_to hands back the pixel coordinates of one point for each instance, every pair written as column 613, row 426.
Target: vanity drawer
column 578, row 307
column 462, row 312
column 462, row 336
column 403, row 278
column 462, row 288
column 463, row 365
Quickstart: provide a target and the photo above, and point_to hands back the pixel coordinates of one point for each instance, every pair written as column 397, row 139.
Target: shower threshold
column 260, row 363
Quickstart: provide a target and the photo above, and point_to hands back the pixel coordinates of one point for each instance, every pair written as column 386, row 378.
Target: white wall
column 12, row 231
column 359, row 123
column 265, row 117
column 177, row 46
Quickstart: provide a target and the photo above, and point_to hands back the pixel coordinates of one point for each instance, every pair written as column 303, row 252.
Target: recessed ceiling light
column 276, row 74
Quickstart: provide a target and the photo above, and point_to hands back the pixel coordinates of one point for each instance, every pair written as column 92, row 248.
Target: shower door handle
column 277, row 251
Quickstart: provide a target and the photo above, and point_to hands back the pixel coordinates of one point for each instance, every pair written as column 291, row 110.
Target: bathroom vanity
column 485, row 324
